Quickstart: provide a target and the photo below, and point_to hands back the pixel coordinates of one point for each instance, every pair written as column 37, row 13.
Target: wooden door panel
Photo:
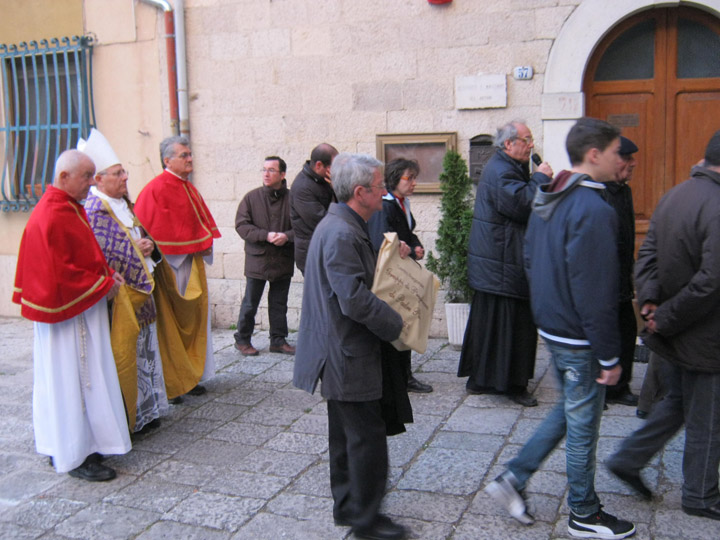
column 697, row 117
column 633, row 113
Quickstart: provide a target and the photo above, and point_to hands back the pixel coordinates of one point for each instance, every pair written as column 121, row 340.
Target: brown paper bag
column 409, row 289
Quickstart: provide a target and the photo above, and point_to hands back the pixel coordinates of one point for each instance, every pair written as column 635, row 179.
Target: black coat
column 264, row 210
column 342, row 322
column 678, row 268
column 619, row 196
column 310, row 198
column 502, row 209
column 392, row 219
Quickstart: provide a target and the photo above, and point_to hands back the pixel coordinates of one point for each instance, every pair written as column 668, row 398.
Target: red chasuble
column 61, row 270
column 174, row 213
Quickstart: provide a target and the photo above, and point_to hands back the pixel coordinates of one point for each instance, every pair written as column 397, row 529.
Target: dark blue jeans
column 577, row 416
column 693, row 399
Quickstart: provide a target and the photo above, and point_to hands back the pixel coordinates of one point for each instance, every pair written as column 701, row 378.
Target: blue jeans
column 576, row 416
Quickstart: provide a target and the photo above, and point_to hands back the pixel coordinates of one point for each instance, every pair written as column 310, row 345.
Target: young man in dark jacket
column 263, row 221
column 572, row 267
column 678, row 284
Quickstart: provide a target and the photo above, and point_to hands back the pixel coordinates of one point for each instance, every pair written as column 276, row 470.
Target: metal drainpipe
column 181, row 57
column 172, row 59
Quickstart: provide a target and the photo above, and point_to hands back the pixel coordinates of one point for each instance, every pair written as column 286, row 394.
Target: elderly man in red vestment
column 62, row 282
column 175, row 215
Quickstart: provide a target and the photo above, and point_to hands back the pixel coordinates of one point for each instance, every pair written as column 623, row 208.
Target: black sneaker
column 503, row 490
column 599, row 525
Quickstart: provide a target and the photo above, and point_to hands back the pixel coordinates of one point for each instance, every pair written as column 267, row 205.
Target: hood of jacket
column 548, row 196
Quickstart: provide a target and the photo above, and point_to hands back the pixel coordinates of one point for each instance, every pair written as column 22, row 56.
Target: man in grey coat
column 341, row 328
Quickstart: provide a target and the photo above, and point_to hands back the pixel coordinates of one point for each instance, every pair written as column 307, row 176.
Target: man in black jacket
column 310, row 196
column 619, row 195
column 678, row 285
column 263, row 221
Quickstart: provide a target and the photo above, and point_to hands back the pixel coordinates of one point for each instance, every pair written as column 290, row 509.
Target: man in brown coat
column 263, row 221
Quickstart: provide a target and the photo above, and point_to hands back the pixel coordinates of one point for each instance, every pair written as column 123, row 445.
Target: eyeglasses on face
column 271, row 170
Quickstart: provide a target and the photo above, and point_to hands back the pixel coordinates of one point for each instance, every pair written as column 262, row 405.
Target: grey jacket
column 342, row 322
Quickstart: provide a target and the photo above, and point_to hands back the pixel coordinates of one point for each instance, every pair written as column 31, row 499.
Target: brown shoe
column 285, row 348
column 246, row 349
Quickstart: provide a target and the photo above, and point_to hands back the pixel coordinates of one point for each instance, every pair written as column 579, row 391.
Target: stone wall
column 280, row 76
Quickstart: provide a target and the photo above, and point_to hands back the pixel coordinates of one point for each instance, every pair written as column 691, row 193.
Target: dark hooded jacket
column 678, row 268
column 572, row 266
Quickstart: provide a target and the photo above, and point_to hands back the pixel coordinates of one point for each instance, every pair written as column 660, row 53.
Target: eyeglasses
column 184, row 155
column 271, row 171
column 409, row 178
column 119, row 173
column 371, row 186
column 527, row 140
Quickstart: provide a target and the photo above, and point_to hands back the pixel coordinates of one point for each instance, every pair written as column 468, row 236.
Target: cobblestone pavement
column 248, row 460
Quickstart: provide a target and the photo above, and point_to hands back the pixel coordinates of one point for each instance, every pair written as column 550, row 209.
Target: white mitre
column 99, row 150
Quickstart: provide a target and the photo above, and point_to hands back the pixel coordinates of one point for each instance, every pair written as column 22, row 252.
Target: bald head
column 321, row 159
column 74, row 173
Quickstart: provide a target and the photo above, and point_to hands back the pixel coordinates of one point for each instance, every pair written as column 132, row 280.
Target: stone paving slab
column 248, row 460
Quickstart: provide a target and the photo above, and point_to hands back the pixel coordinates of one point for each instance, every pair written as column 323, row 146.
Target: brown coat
column 263, row 210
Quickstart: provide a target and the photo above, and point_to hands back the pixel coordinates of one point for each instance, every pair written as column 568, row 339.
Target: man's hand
column 119, row 281
column 609, row 377
column 146, row 246
column 419, row 252
column 277, row 238
column 545, row 168
column 647, row 312
column 403, row 249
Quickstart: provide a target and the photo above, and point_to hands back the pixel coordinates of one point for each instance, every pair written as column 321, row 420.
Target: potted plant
column 450, row 265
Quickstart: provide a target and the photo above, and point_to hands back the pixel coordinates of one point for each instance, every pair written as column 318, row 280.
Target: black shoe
column 599, row 525
column 712, row 512
column 641, row 414
column 383, row 529
column 633, row 480
column 413, row 385
column 176, row 401
column 626, row 397
column 93, row 471
column 152, row 424
column 479, row 391
column 523, row 398
column 198, row 390
column 342, row 521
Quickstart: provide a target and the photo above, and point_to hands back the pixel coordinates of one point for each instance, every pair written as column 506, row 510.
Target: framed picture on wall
column 428, row 149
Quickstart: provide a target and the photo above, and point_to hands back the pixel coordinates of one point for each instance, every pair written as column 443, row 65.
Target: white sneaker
column 504, row 492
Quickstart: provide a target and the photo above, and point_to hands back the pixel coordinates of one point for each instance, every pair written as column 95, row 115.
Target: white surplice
column 77, row 404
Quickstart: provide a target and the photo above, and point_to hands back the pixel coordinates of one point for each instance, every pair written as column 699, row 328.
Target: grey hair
column 167, row 145
column 507, row 132
column 352, row 170
column 69, row 161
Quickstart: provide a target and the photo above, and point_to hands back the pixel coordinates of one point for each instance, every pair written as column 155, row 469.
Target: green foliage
column 450, row 265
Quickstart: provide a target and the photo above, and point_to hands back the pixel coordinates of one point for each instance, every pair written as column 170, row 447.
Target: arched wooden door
column 657, row 76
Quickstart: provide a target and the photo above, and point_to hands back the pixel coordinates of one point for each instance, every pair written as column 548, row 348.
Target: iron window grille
column 46, row 106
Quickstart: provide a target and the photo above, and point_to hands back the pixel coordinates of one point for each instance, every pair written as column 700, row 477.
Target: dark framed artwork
column 428, row 149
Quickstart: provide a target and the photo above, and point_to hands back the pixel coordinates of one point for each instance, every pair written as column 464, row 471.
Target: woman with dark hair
column 400, row 181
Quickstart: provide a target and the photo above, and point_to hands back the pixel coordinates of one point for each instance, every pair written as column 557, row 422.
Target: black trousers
column 358, row 460
column 693, row 400
column 628, row 337
column 277, row 310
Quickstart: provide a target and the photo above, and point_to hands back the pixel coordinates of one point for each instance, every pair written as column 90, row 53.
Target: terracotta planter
column 456, row 316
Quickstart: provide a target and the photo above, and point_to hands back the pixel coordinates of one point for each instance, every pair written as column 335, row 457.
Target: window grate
column 46, row 106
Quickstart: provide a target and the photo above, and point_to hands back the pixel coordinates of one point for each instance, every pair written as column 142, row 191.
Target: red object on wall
column 439, row 1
